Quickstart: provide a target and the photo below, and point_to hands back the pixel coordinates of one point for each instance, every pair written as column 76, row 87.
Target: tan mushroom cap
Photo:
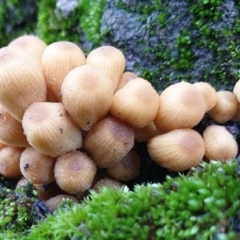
column 108, row 183
column 109, row 141
column 74, row 172
column 209, row 94
column 30, row 44
column 126, row 77
column 37, row 167
column 9, row 162
column 11, row 130
column 21, row 81
column 181, row 106
column 219, row 143
column 136, row 103
column 236, row 90
column 50, row 130
column 177, row 150
column 58, row 59
column 87, row 95
column 109, row 59
column 225, row 108
column 127, row 168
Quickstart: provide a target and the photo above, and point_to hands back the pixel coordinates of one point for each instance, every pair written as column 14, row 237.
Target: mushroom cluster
column 68, row 122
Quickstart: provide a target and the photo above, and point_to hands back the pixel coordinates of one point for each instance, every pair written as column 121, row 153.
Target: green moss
column 202, row 205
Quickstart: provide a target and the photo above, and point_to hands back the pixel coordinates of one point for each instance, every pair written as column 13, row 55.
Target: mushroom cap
column 58, row 59
column 177, row 150
column 124, row 78
column 74, row 172
column 37, row 167
column 109, row 141
column 181, row 106
column 225, row 108
column 107, row 182
column 236, row 90
column 11, row 130
column 136, row 103
column 219, row 143
column 87, row 95
column 30, row 44
column 21, row 81
column 9, row 162
column 50, row 130
column 208, row 92
column 127, row 168
column 109, row 59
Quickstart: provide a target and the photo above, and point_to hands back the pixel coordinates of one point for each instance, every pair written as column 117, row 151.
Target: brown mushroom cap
column 87, row 95
column 50, row 130
column 181, row 106
column 177, row 150
column 225, row 108
column 11, row 131
column 58, row 59
column 219, row 143
column 126, row 77
column 109, row 59
column 107, row 182
column 136, row 103
column 209, row 94
column 37, row 167
column 30, row 44
column 21, row 81
column 54, row 202
column 9, row 162
column 236, row 90
column 109, row 141
column 127, row 168
column 74, row 172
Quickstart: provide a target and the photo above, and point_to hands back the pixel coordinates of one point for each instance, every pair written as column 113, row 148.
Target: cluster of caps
column 64, row 117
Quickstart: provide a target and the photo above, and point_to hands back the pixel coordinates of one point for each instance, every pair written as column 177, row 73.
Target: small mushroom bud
column 126, row 77
column 50, row 130
column 54, row 202
column 108, row 183
column 21, row 82
column 177, row 150
column 181, row 106
column 74, row 172
column 58, row 59
column 219, row 143
column 209, row 94
column 9, row 162
column 109, row 141
column 29, row 44
column 87, row 95
column 136, row 103
column 225, row 108
column 127, row 168
column 109, row 59
column 11, row 131
column 37, row 167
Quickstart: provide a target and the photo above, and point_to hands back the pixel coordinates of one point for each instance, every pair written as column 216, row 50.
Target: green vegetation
column 202, row 205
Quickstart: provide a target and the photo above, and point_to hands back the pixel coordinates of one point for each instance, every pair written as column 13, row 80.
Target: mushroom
column 74, row 172
column 58, row 59
column 125, row 77
column 21, row 81
column 181, row 106
column 109, row 59
column 50, row 130
column 136, row 103
column 127, row 168
column 37, row 167
column 109, row 141
column 236, row 90
column 209, row 94
column 225, row 108
column 30, row 44
column 219, row 143
column 177, row 150
column 87, row 95
column 9, row 162
column 11, row 131
column 108, row 183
